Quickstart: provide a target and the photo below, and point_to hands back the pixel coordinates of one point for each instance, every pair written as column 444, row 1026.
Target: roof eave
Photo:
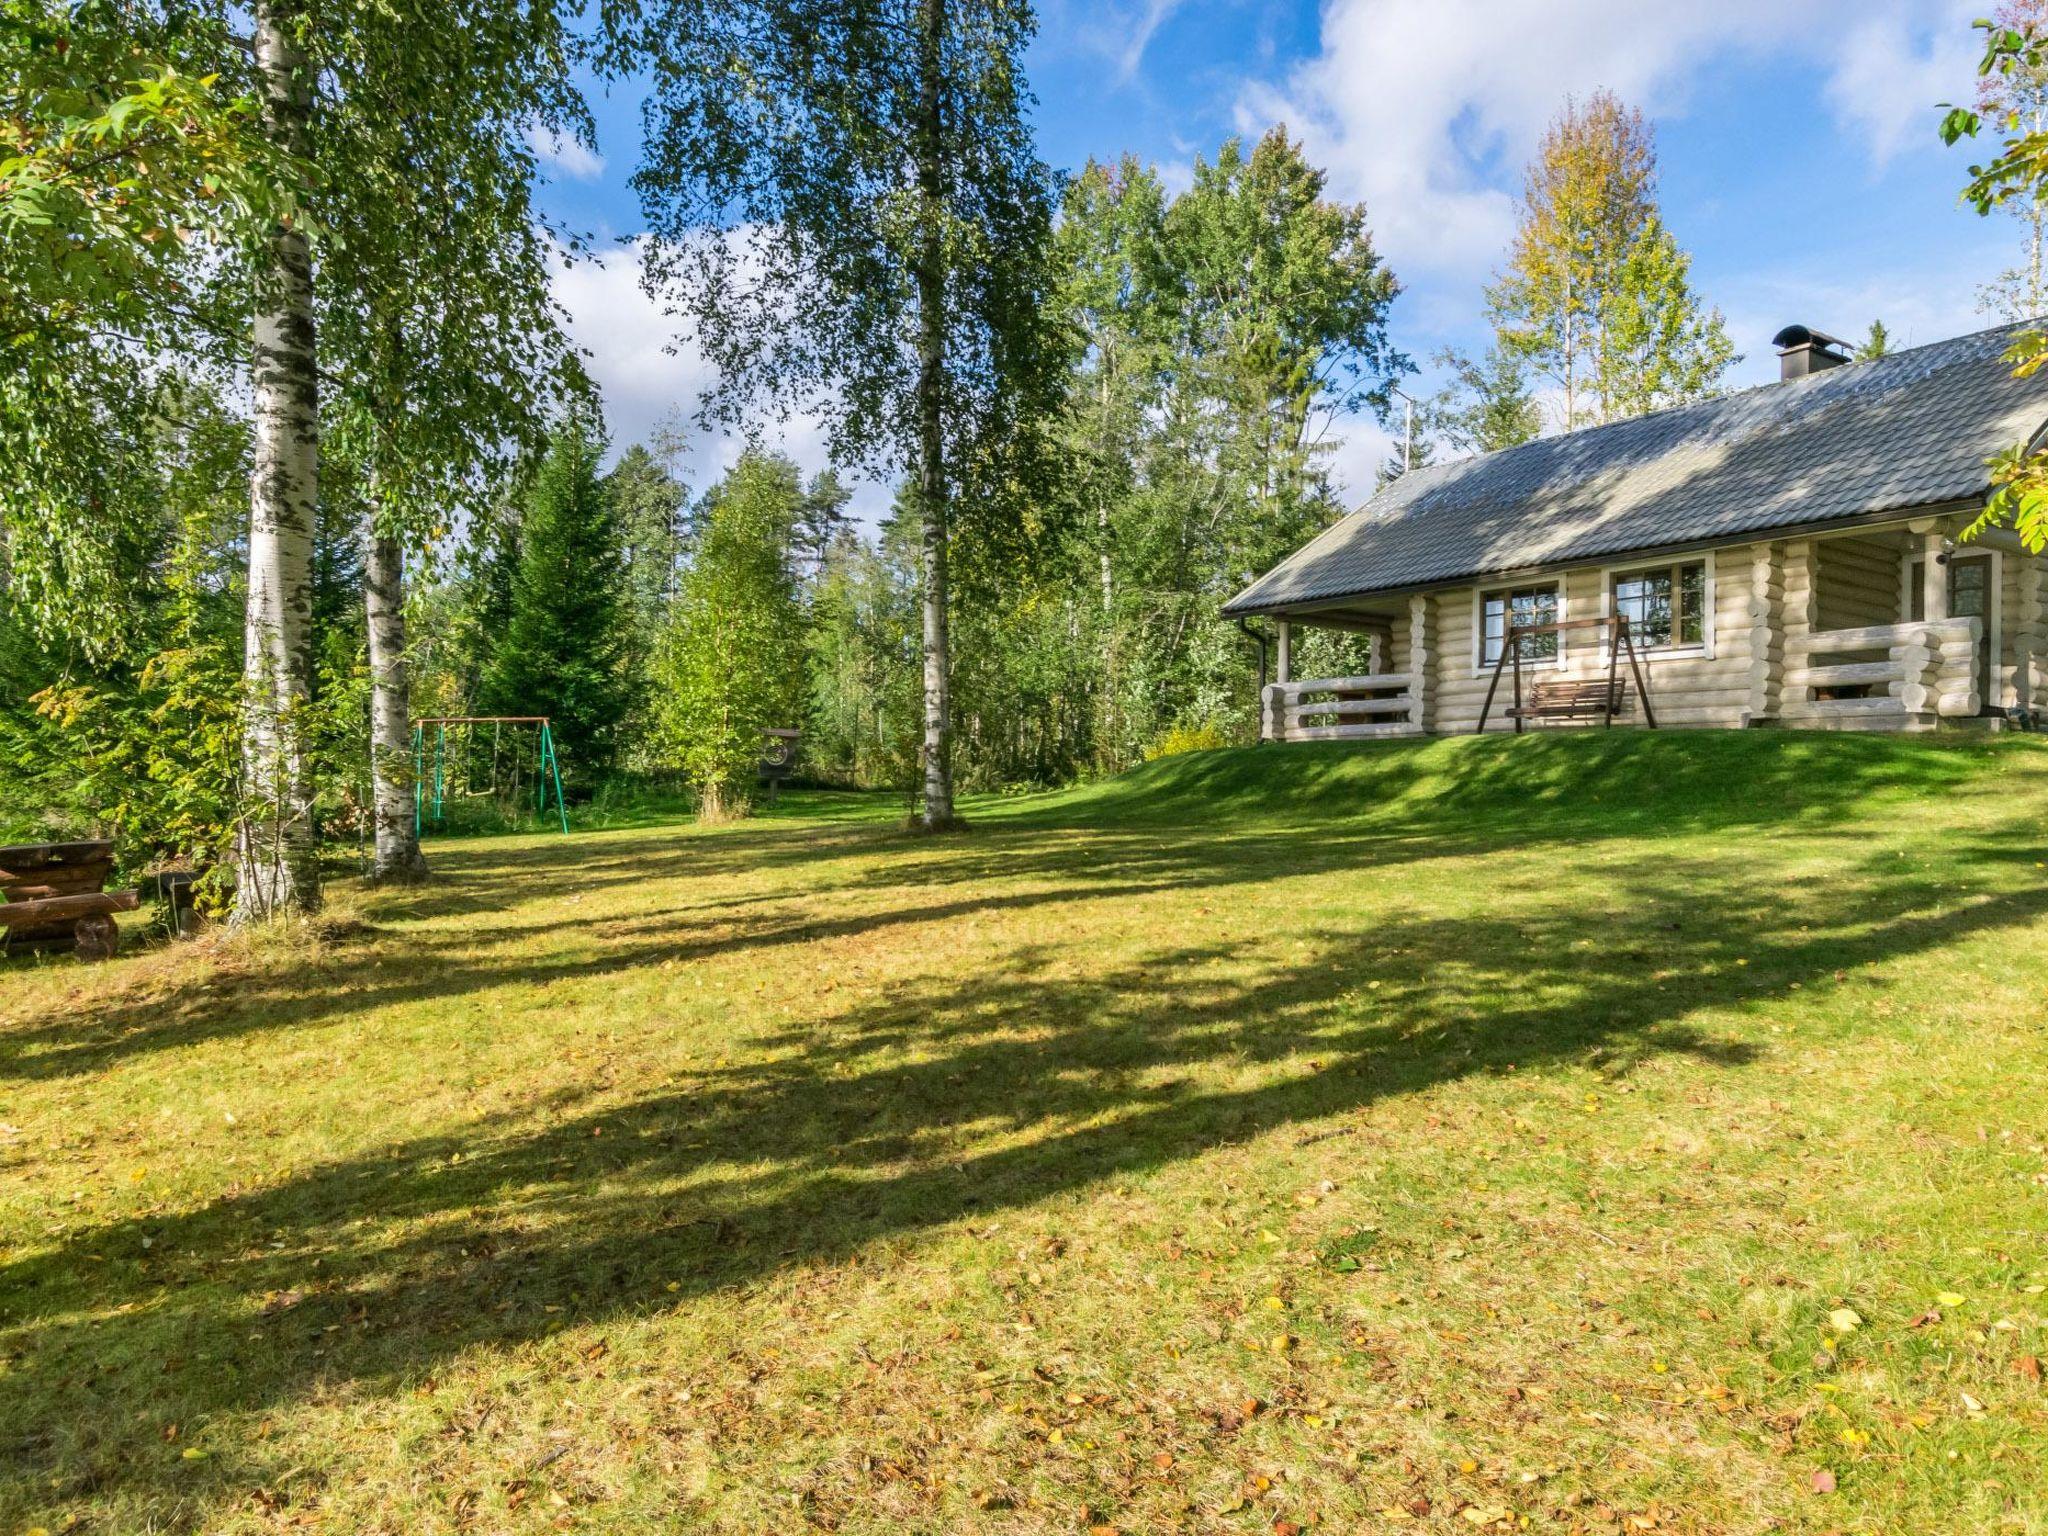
column 1235, row 609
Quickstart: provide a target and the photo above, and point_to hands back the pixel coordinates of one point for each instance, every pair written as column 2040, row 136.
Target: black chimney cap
column 1805, row 336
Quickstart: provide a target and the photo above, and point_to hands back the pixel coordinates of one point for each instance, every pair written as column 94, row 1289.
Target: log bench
column 1559, row 699
column 54, row 899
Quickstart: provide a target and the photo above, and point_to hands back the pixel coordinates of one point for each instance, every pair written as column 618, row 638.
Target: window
column 1527, row 605
column 1665, row 606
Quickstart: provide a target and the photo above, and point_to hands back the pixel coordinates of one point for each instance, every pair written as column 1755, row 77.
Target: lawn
column 1601, row 1133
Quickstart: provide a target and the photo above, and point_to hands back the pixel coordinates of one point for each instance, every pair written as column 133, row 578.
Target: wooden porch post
column 1796, row 622
column 1283, row 665
column 1421, row 663
column 1933, row 573
column 1767, row 633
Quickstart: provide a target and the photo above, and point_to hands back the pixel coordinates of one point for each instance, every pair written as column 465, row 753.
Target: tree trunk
column 278, row 857
column 398, row 859
column 931, row 378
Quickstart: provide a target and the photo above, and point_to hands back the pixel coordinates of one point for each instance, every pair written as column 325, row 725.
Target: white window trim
column 1481, row 667
column 1704, row 650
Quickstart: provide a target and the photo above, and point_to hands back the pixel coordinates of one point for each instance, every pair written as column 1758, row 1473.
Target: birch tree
column 444, row 351
column 729, row 664
column 846, row 205
column 1596, row 295
column 126, row 174
column 278, row 861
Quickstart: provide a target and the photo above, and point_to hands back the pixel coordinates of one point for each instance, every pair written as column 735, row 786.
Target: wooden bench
column 54, row 898
column 1557, row 699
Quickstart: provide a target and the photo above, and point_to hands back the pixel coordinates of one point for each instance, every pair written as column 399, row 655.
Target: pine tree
column 1876, row 344
column 821, row 518
column 652, row 508
column 730, row 662
column 563, row 651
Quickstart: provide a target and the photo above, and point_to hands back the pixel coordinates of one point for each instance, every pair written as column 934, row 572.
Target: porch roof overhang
column 1348, row 610
column 1884, row 440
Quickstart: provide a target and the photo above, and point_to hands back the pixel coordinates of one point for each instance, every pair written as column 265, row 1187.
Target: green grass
column 1411, row 1137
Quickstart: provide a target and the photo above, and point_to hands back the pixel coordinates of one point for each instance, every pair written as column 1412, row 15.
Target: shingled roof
column 1912, row 429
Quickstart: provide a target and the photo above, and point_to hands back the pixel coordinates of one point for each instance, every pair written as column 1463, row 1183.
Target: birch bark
column 931, row 363
column 278, row 859
column 397, row 858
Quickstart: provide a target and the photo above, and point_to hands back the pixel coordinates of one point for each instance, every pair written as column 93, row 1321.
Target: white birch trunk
column 397, row 858
column 278, row 859
column 932, row 488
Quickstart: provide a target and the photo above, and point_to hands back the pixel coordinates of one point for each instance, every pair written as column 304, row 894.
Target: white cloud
column 1895, row 63
column 1355, row 463
column 1427, row 110
column 647, row 384
column 1148, row 25
column 565, row 156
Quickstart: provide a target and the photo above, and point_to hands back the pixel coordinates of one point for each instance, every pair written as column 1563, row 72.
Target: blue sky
column 1796, row 138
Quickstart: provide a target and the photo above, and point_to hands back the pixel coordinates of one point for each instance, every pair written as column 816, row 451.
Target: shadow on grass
column 1206, row 820
column 947, row 1099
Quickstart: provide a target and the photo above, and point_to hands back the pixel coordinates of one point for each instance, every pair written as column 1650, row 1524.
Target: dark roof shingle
column 1912, row 429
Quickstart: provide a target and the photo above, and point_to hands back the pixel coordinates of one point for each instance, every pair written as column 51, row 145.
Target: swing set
column 1599, row 698
column 456, row 772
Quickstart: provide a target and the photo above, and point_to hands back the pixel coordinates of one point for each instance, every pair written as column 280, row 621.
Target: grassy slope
column 1391, row 1138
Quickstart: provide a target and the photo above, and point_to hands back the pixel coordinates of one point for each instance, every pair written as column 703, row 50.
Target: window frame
column 1483, row 666
column 1613, row 575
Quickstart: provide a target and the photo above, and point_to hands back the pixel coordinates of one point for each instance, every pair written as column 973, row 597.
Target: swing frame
column 548, row 768
column 1618, row 639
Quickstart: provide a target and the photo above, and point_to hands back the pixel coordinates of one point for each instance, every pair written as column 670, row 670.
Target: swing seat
column 1556, row 699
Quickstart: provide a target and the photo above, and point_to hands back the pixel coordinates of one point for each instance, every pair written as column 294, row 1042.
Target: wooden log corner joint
column 54, row 899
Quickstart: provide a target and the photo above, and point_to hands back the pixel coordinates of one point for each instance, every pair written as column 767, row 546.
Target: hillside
column 1598, row 1132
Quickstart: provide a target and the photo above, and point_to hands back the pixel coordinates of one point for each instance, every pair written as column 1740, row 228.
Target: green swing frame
column 548, row 774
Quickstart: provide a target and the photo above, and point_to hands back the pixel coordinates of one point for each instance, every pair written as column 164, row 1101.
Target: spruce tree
column 562, row 653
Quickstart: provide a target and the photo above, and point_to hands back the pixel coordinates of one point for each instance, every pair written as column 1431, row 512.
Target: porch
column 1888, row 628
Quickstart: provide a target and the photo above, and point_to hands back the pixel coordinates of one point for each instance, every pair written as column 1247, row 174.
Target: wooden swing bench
column 1564, row 699
column 53, row 899
column 1592, row 699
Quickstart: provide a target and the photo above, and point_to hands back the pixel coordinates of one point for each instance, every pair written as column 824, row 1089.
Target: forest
column 284, row 474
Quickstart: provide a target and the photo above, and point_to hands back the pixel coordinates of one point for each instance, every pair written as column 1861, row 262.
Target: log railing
column 1339, row 708
column 1928, row 671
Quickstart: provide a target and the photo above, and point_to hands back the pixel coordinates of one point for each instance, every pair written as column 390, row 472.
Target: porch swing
column 1566, row 701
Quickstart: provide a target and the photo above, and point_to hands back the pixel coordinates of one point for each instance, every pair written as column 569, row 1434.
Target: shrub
column 1204, row 737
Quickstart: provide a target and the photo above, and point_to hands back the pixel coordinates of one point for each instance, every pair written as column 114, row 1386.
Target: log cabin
column 1791, row 554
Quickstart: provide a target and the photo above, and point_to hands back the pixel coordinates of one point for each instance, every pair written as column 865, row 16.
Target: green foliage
column 847, row 202
column 1876, row 344
column 792, row 217
column 562, row 649
column 652, row 507
column 730, row 662
column 1216, row 335
column 126, row 178
column 1487, row 405
column 1596, row 296
column 2018, row 174
column 865, row 707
